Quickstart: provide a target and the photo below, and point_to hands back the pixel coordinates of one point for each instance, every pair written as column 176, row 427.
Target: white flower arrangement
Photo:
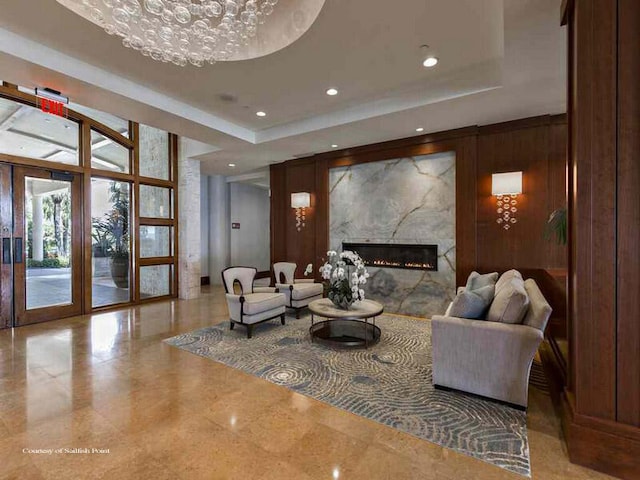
column 344, row 286
column 308, row 270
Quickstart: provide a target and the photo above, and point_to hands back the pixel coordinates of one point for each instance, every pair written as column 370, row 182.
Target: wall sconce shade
column 506, row 187
column 509, row 183
column 300, row 200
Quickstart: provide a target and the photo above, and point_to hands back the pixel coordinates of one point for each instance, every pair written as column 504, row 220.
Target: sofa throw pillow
column 510, row 303
column 506, row 277
column 477, row 280
column 472, row 303
column 539, row 309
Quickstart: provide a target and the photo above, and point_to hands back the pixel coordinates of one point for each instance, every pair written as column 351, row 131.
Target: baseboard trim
column 608, row 447
column 604, row 451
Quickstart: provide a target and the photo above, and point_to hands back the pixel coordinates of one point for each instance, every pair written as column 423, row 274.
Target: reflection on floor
column 108, row 382
column 52, row 286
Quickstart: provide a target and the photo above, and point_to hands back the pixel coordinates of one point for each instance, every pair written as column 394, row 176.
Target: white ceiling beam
column 13, row 117
column 61, row 147
column 105, row 141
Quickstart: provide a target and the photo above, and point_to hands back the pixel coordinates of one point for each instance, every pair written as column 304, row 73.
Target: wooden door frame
column 133, row 177
column 23, row 316
column 6, row 225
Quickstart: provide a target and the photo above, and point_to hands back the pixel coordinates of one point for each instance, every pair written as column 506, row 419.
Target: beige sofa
column 488, row 358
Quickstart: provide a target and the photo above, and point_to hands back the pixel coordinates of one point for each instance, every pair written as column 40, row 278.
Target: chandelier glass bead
column 181, row 31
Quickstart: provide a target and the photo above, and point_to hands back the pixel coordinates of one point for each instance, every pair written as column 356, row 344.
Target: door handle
column 17, row 249
column 6, row 251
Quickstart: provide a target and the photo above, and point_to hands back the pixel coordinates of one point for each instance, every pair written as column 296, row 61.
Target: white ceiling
column 498, row 61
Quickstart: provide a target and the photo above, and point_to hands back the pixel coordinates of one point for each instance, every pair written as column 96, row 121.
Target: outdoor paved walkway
column 52, row 286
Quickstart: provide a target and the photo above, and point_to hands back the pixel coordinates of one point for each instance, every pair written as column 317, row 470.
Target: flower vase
column 340, row 302
column 344, row 276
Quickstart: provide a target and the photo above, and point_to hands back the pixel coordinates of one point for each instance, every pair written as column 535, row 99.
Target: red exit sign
column 52, row 107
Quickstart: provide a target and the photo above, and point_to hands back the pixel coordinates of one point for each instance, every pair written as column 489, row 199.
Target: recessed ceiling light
column 334, row 146
column 232, row 164
column 430, row 62
column 261, row 114
column 332, row 91
column 419, row 129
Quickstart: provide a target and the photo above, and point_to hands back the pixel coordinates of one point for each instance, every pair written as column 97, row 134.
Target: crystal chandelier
column 179, row 31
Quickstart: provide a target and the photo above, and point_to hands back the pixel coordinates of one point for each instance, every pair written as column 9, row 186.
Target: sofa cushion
column 510, row 303
column 260, row 302
column 471, row 303
column 477, row 280
column 539, row 309
column 506, row 277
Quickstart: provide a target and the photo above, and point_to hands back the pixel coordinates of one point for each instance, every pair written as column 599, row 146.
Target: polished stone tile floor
column 101, row 396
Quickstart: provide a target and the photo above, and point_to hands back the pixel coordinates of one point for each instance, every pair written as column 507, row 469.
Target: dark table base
column 345, row 333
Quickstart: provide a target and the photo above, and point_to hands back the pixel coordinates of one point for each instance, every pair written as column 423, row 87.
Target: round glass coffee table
column 345, row 328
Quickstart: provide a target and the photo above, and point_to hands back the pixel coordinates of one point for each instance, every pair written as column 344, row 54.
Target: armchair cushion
column 260, row 302
column 302, row 293
column 265, row 290
column 257, row 306
column 306, row 290
column 472, row 303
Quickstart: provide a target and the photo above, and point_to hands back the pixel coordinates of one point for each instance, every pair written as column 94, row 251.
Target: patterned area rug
column 389, row 383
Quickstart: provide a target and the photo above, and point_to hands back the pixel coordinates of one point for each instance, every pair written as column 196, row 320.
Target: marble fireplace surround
column 407, row 200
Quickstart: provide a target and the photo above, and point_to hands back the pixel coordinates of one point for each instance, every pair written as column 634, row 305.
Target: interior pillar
column 188, row 226
column 219, row 231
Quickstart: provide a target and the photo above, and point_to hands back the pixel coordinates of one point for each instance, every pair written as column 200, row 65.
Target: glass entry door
column 44, row 246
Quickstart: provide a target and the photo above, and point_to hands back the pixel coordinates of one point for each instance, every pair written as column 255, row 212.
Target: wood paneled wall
column 628, row 226
column 537, row 146
column 538, row 149
column 602, row 398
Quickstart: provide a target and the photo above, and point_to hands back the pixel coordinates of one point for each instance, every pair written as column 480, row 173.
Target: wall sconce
column 300, row 201
column 506, row 187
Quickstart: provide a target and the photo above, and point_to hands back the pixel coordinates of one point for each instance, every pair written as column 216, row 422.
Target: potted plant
column 112, row 232
column 342, row 285
column 557, row 226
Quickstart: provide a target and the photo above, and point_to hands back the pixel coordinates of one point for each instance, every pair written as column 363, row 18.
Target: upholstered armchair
column 253, row 304
column 299, row 292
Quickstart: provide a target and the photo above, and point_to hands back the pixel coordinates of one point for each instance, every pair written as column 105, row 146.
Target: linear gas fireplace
column 388, row 255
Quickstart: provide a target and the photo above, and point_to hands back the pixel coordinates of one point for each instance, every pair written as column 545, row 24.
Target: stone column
column 219, row 229
column 188, row 226
column 37, row 228
column 204, row 226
